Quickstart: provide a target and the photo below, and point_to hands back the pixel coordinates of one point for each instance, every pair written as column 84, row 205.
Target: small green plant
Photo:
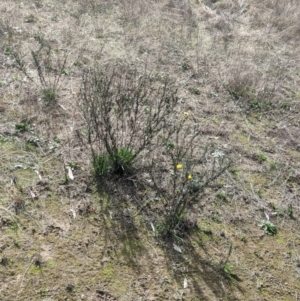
column 268, row 227
column 290, row 211
column 8, row 51
column 256, row 253
column 14, row 226
column 49, row 95
column 43, row 292
column 70, row 288
column 234, row 171
column 289, row 253
column 31, row 19
column 33, row 140
column 243, row 238
column 273, row 165
column 65, row 180
column 228, row 269
column 261, row 158
column 4, row 261
column 56, row 139
column 16, row 78
column 170, row 145
column 73, row 165
column 285, row 106
column 222, row 196
column 260, row 285
column 78, row 64
column 22, row 127
column 101, row 165
column 278, row 211
column 260, row 105
column 3, row 139
column 65, row 72
column 185, row 66
column 122, row 160
column 55, row 143
column 255, row 104
column 216, row 217
column 220, row 184
column 196, row 91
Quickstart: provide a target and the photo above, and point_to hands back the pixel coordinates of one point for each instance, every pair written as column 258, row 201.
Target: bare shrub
column 181, row 178
column 124, row 111
column 49, row 67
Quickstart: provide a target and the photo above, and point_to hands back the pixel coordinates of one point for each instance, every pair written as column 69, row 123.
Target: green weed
column 122, row 160
column 290, row 211
column 228, row 269
column 273, row 165
column 49, row 95
column 22, row 127
column 222, row 196
column 73, row 165
column 185, row 66
column 196, row 91
column 261, row 158
column 268, row 227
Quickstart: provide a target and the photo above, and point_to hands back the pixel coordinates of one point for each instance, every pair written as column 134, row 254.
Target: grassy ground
column 236, row 65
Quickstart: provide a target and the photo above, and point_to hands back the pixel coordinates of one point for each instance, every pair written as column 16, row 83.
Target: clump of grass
column 101, row 164
column 249, row 89
column 240, row 84
column 122, row 160
column 49, row 95
column 119, row 163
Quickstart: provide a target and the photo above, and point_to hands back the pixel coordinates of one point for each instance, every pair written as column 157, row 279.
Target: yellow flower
column 186, row 114
column 179, row 166
column 189, row 177
column 73, row 93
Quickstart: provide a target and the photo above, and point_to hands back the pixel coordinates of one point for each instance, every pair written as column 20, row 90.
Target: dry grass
column 236, row 64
